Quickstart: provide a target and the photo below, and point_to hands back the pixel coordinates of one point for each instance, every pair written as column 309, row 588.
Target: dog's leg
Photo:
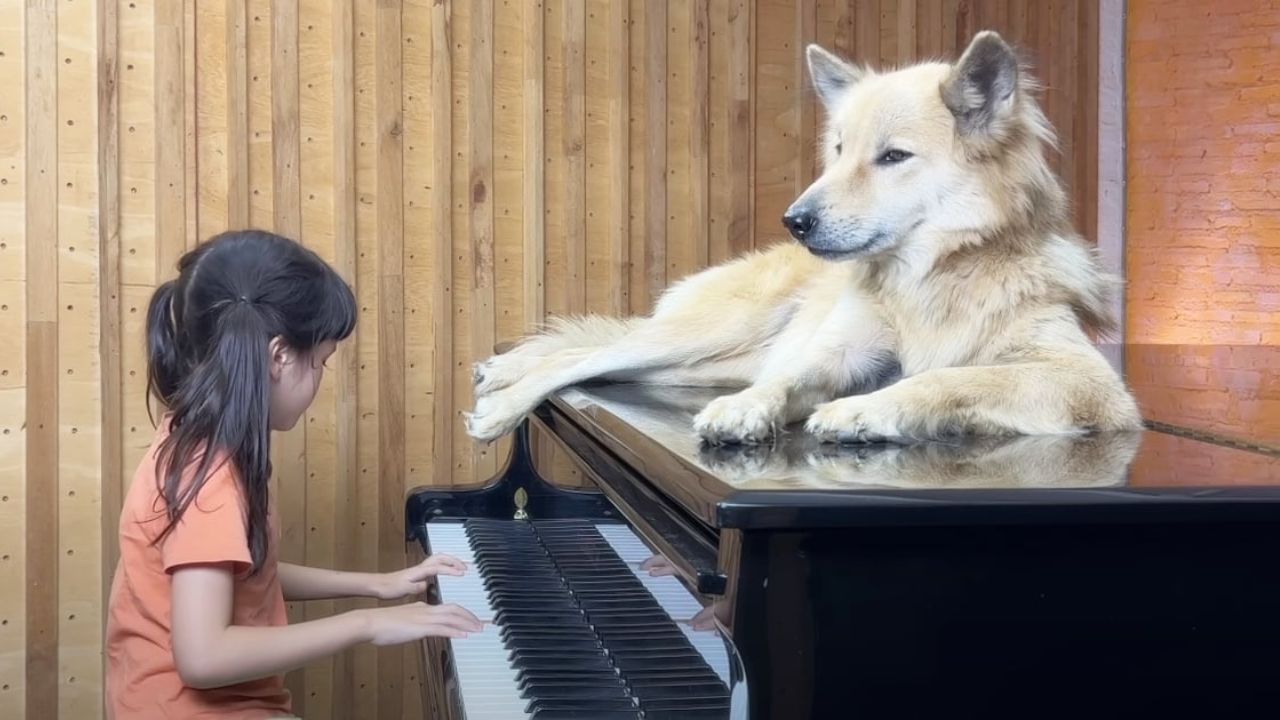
column 560, row 334
column 654, row 345
column 826, row 351
column 1062, row 396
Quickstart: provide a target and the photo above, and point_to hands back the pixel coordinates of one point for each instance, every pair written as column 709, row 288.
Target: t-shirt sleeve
column 212, row 530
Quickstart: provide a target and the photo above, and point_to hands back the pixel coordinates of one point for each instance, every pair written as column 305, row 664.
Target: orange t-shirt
column 142, row 677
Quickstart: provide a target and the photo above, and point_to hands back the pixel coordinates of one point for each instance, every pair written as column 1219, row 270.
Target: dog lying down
column 936, row 288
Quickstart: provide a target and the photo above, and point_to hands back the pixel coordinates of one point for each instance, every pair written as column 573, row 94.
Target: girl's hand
column 405, row 623
column 413, row 581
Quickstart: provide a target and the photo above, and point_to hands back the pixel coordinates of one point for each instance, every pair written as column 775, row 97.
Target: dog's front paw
column 499, row 372
column 493, row 417
column 860, row 418
column 744, row 417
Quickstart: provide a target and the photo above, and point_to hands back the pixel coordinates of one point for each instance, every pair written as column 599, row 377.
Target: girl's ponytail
column 225, row 398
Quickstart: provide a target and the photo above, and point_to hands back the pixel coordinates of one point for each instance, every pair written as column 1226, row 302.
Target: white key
column 486, row 679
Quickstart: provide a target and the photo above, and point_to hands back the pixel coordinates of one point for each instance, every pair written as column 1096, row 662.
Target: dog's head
column 921, row 152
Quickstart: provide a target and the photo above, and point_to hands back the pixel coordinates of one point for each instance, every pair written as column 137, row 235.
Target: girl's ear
column 281, row 355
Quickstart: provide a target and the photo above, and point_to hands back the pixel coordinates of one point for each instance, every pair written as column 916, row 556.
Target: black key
column 525, row 678
column 544, row 687
column 638, row 677
column 537, row 630
column 687, row 705
column 681, row 691
column 547, row 691
column 627, row 665
column 579, row 704
column 706, row 714
column 523, row 656
column 661, row 644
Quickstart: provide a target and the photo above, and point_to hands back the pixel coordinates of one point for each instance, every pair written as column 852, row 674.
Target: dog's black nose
column 800, row 223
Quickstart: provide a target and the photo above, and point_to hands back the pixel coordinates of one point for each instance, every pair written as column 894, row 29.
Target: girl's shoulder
column 145, row 498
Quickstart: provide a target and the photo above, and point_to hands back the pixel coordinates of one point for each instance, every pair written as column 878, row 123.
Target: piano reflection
column 1111, row 574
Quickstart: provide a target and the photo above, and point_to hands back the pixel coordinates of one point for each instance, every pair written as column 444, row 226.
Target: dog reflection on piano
column 937, row 286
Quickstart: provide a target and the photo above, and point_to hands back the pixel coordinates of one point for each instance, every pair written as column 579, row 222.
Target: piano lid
column 800, row 482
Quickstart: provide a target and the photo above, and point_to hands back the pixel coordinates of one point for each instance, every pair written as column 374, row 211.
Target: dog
column 936, row 287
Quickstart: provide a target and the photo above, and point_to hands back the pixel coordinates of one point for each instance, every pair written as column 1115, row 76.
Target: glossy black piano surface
column 1107, row 575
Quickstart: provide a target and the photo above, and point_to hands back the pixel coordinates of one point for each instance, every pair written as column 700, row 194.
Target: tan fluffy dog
column 937, row 287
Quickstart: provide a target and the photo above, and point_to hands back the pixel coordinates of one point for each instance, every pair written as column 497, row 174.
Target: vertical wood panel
column 237, row 83
column 288, row 449
column 170, row 133
column 509, row 185
column 655, row 163
column 446, row 413
column 111, row 420
column 345, row 364
column 14, row 392
column 556, row 263
column 682, row 245
column 214, row 87
column 699, row 177
column 316, row 107
column 390, row 219
column 368, row 333
column 533, row 172
column 573, row 119
column 42, row 355
column 261, row 175
column 596, row 281
column 79, row 366
column 418, row 239
column 480, row 192
column 777, row 118
column 806, row 160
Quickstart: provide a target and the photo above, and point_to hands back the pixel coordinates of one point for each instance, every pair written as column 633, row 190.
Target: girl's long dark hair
column 208, row 337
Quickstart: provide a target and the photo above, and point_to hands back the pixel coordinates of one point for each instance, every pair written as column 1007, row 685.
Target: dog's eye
column 892, row 157
column 838, row 146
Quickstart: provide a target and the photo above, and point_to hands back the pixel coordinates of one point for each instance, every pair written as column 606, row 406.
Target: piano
column 1116, row 574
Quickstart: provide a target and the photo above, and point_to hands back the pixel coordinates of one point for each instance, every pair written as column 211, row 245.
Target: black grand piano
column 1113, row 575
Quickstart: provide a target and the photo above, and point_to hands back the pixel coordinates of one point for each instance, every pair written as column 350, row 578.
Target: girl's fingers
column 461, row 614
column 449, row 560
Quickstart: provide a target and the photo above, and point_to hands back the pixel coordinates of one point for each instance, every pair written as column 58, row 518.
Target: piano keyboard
column 574, row 628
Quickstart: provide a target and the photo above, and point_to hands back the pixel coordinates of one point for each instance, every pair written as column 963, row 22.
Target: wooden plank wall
column 472, row 166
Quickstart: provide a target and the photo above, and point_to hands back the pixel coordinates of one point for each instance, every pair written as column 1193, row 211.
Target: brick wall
column 1203, row 235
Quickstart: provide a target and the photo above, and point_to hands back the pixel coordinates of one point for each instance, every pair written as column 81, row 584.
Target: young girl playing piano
column 196, row 627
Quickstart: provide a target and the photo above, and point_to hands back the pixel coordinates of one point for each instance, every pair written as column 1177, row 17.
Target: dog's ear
column 831, row 75
column 981, row 87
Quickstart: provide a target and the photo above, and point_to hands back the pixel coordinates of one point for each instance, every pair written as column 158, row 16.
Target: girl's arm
column 211, row 652
column 300, row 582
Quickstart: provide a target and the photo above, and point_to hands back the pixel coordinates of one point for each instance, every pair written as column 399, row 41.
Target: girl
column 196, row 621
